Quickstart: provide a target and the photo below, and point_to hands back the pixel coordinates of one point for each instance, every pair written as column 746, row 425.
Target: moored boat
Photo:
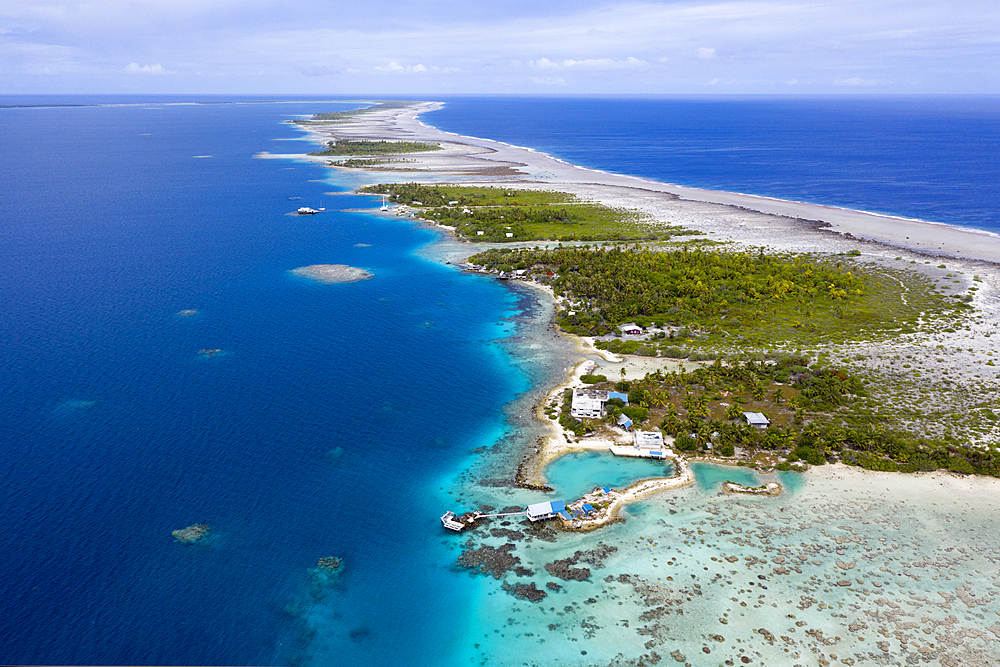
column 449, row 522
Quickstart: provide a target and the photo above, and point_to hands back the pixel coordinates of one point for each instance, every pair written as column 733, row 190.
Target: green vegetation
column 332, row 117
column 568, row 421
column 361, row 163
column 738, row 310
column 442, row 195
column 818, row 413
column 369, row 147
column 710, row 298
column 593, row 379
column 499, row 215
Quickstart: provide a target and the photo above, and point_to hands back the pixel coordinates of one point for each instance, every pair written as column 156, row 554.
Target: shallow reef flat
column 329, row 274
column 855, row 568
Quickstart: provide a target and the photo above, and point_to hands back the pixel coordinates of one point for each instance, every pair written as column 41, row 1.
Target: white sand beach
column 749, row 219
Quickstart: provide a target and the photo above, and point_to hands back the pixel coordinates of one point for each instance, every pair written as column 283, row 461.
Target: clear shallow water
column 342, row 420
column 868, row 569
column 710, row 477
column 575, row 474
column 932, row 158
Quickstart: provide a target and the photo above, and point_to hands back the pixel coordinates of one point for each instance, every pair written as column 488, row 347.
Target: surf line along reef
column 857, row 346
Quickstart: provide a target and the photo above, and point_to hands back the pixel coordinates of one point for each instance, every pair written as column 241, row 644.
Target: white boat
column 385, row 206
column 305, row 210
column 449, row 522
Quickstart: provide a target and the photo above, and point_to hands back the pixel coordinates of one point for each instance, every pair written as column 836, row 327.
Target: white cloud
column 856, row 81
column 758, row 45
column 594, row 64
column 419, row 68
column 155, row 70
column 543, row 63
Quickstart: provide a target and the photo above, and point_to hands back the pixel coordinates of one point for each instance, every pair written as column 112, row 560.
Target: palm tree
column 835, row 435
column 784, row 438
column 657, row 397
column 672, row 424
column 689, row 403
column 701, row 405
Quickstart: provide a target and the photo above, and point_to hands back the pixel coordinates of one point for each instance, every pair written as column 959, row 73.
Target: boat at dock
column 459, row 523
column 451, row 521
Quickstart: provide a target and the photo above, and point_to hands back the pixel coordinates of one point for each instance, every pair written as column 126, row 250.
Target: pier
column 458, row 523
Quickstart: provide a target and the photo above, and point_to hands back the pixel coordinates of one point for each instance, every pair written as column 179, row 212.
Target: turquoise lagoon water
column 710, row 477
column 577, row 473
column 341, row 420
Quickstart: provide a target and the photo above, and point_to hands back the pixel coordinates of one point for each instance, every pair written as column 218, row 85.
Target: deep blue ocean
column 324, row 427
column 930, row 158
column 336, row 420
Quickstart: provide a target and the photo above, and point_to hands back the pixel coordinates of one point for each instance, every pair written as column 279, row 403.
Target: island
column 842, row 355
column 822, row 321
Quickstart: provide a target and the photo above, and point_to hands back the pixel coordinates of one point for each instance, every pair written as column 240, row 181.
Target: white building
column 546, row 510
column 648, row 440
column 588, row 403
column 757, row 420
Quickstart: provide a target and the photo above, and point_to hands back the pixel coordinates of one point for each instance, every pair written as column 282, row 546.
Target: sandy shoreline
column 854, row 567
column 483, row 161
column 744, row 220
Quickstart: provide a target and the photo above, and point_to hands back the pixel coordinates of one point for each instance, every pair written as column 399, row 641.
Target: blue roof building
column 545, row 510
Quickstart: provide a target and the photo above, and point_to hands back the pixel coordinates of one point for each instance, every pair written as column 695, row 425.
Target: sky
column 403, row 47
